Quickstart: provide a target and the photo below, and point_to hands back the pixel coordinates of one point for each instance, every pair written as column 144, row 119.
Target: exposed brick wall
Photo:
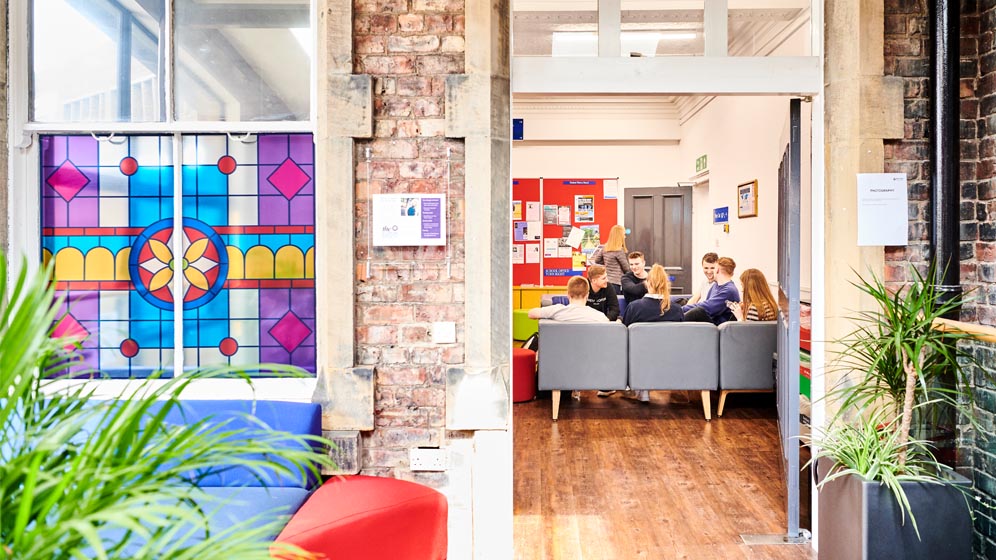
column 983, row 277
column 906, row 54
column 408, row 46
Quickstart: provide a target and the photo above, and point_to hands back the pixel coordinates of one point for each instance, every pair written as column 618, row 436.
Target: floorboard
column 617, row 479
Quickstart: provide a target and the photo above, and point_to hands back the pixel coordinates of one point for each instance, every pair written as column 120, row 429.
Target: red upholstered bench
column 371, row 518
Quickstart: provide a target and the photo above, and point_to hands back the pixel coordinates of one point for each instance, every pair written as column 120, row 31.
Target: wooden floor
column 616, row 479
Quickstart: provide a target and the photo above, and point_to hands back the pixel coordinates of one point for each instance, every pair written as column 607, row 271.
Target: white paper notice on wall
column 401, row 220
column 883, row 209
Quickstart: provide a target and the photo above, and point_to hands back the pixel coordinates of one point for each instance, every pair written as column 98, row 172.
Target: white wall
column 636, row 166
column 744, row 138
column 741, row 136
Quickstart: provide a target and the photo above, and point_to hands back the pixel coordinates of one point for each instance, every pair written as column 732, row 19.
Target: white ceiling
column 651, row 27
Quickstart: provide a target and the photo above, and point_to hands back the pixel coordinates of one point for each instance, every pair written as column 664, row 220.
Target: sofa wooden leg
column 722, row 402
column 706, row 405
column 556, row 403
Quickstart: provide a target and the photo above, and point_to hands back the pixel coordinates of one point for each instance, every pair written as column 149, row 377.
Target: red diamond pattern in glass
column 68, row 180
column 290, row 331
column 289, row 179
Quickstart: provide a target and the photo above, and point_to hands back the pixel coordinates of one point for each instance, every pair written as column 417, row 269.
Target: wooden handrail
column 978, row 332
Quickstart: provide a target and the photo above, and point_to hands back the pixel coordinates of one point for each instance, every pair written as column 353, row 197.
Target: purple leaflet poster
column 432, row 218
column 409, row 219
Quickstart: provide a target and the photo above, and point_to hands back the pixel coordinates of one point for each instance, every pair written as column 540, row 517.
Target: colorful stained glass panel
column 258, row 196
column 95, row 205
column 247, row 265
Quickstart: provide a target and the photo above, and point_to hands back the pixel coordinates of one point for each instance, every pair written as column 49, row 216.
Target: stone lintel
column 882, row 107
column 477, row 398
column 350, row 110
column 347, row 398
column 347, row 452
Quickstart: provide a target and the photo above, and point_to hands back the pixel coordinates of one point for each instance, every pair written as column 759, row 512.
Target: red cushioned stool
column 523, row 375
column 370, row 518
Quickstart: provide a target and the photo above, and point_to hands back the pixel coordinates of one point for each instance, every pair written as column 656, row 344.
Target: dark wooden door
column 660, row 224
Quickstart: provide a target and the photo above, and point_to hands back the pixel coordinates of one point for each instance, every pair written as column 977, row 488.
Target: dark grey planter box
column 862, row 520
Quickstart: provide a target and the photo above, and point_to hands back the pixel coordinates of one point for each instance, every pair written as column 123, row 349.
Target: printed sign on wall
column 401, row 220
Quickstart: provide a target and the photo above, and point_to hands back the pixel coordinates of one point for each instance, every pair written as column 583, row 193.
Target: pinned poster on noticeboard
column 405, row 220
column 584, row 208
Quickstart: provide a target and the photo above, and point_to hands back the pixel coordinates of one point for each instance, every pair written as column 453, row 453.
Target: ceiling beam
column 781, row 75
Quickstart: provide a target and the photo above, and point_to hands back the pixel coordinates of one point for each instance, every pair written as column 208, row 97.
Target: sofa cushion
column 746, row 355
column 673, row 356
column 582, row 355
column 244, row 418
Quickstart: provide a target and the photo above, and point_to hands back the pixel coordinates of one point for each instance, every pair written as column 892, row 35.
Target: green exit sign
column 702, row 163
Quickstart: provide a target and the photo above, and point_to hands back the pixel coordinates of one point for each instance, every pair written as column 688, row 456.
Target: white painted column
column 716, row 27
column 609, row 27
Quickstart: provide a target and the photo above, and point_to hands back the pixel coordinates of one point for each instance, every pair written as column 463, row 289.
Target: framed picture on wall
column 747, row 199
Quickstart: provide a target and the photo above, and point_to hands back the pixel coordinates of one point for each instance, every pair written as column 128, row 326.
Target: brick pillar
column 978, row 250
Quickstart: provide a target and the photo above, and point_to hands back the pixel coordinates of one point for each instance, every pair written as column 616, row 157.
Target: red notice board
column 565, row 192
column 524, row 191
column 560, row 208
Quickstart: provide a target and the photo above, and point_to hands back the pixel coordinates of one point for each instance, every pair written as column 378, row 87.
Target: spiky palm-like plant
column 904, row 371
column 85, row 478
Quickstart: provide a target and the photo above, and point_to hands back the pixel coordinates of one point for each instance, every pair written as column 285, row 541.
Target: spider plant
column 85, row 478
column 871, row 449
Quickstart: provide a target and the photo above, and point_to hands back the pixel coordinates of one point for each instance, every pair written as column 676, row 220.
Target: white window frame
column 25, row 210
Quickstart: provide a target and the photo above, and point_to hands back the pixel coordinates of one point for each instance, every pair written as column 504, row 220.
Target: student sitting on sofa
column 714, row 308
column 654, row 307
column 576, row 311
column 602, row 295
column 634, row 282
column 758, row 301
column 709, row 271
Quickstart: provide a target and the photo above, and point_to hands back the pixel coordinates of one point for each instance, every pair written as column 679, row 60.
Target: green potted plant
column 88, row 478
column 882, row 492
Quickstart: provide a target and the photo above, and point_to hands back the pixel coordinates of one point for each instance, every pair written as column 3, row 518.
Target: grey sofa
column 746, row 358
column 734, row 357
column 581, row 356
column 675, row 357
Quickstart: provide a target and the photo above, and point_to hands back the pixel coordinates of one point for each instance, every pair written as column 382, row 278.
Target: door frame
column 686, row 243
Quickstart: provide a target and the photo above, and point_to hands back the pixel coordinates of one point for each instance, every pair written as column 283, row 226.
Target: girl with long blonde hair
column 656, row 305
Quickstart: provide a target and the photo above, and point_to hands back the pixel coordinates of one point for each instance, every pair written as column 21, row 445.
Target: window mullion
column 177, row 247
column 166, row 60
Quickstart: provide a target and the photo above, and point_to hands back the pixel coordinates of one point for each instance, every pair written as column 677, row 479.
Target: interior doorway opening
column 709, row 147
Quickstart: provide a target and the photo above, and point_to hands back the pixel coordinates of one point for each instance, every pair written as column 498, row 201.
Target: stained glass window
column 246, row 272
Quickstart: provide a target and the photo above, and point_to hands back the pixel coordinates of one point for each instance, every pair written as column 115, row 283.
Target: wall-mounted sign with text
column 721, row 215
column 883, row 209
column 401, row 220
